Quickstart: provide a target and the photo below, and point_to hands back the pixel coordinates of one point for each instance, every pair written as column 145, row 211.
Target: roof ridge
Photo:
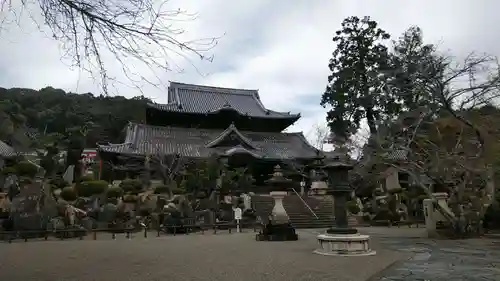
column 232, row 128
column 241, row 131
column 221, row 90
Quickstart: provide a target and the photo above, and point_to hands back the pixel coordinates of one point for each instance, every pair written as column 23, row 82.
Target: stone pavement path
column 238, row 257
column 438, row 260
column 220, row 257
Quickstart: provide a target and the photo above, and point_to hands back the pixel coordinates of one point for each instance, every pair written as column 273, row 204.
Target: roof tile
column 205, row 99
column 146, row 139
column 6, row 150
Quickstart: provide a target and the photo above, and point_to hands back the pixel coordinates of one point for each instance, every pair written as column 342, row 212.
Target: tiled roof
column 144, row 139
column 397, row 155
column 232, row 129
column 204, row 99
column 6, row 151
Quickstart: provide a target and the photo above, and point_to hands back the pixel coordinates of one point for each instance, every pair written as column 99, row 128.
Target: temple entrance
column 260, row 169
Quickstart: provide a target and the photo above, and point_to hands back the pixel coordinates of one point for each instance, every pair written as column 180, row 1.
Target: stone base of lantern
column 277, row 232
column 346, row 245
column 279, row 227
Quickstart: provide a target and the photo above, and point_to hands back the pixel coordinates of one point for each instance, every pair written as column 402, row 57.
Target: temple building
column 199, row 121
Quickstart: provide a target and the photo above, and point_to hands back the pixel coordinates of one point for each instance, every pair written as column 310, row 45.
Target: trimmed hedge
column 68, row 194
column 165, row 188
column 131, row 186
column 26, row 169
column 353, row 207
column 130, row 198
column 9, row 170
column 114, row 192
column 89, row 188
column 58, row 183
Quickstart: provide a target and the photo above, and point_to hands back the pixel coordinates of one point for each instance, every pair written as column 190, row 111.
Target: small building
column 200, row 121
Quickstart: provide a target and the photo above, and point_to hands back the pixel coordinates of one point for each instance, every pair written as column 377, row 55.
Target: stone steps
column 263, row 206
column 301, row 216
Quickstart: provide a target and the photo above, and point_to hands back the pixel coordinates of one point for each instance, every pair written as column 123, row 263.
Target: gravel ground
column 206, row 257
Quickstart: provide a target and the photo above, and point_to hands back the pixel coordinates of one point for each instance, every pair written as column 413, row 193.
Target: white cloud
column 280, row 48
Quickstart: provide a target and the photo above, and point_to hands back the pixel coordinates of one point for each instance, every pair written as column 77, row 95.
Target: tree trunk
column 370, row 119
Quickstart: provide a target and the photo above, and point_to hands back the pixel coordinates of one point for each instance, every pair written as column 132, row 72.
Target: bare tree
column 320, row 134
column 144, row 31
column 448, row 147
column 166, row 166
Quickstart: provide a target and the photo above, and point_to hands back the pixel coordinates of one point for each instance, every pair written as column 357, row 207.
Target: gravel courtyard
column 195, row 257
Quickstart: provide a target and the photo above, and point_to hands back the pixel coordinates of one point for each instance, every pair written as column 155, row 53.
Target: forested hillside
column 37, row 113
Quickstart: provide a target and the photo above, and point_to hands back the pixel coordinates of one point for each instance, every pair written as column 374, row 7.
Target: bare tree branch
column 131, row 31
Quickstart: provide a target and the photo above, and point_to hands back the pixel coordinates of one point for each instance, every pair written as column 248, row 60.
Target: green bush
column 396, row 190
column 9, row 170
column 130, row 198
column 89, row 188
column 86, row 178
column 114, row 192
column 68, row 194
column 131, row 186
column 422, row 197
column 165, row 188
column 58, row 182
column 26, row 169
column 176, row 190
column 353, row 207
column 161, row 189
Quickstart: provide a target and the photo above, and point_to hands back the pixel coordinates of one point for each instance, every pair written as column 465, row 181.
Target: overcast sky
column 280, row 47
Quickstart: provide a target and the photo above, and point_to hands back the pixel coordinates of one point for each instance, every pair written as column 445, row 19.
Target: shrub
column 114, row 192
column 131, row 186
column 68, row 194
column 161, row 189
column 165, row 188
column 26, row 169
column 353, row 207
column 89, row 188
column 176, row 190
column 130, row 198
column 9, row 170
column 491, row 218
column 86, row 178
column 58, row 182
column 422, row 197
column 396, row 190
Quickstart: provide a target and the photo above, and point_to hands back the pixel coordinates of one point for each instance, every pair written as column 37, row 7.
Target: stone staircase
column 263, row 206
column 301, row 217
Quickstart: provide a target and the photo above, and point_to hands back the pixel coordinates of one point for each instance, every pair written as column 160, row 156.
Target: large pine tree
column 354, row 89
column 415, row 66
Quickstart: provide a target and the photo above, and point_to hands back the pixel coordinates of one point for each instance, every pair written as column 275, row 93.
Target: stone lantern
column 223, row 159
column 341, row 239
column 318, row 186
column 338, row 186
column 278, row 228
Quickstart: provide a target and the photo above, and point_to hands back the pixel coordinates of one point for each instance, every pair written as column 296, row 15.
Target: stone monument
column 341, row 240
column 278, row 228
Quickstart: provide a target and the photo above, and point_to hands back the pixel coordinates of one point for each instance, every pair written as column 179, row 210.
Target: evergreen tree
column 414, row 65
column 355, row 85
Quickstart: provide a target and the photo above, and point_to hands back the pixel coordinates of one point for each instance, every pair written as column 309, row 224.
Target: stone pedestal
column 344, row 245
column 279, row 214
column 279, row 227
